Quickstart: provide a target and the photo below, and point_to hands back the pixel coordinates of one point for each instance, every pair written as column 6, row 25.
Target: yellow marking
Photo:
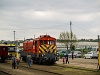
column 44, row 47
column 41, row 49
column 11, row 44
column 55, row 51
column 47, row 46
column 14, row 53
column 51, row 46
column 54, row 47
column 50, row 50
column 99, row 58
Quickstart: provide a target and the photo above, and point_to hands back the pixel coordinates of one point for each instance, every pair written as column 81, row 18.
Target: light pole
column 70, row 34
column 71, row 30
column 71, row 40
column 14, row 35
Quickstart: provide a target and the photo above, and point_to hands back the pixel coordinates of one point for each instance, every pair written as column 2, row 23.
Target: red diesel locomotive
column 42, row 49
column 3, row 52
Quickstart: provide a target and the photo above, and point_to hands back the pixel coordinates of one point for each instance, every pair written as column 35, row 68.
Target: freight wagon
column 3, row 52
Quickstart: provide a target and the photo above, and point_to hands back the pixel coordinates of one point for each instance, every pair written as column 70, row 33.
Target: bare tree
column 69, row 39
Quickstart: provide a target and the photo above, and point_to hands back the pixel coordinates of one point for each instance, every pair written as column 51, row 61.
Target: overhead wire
column 83, row 29
column 34, row 28
column 51, row 27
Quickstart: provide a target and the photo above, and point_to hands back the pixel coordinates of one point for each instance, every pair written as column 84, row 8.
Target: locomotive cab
column 45, row 48
column 12, row 50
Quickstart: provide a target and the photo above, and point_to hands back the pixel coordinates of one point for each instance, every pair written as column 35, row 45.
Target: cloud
column 94, row 29
column 36, row 17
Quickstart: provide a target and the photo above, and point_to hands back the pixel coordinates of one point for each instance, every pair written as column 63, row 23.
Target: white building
column 80, row 45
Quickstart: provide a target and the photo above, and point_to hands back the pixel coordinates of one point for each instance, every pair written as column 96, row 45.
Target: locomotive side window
column 12, row 48
column 4, row 49
column 36, row 46
column 33, row 42
column 45, row 41
column 51, row 42
column 41, row 42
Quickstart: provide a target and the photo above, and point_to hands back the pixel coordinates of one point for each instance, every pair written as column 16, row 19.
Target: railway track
column 4, row 73
column 78, row 68
column 24, row 66
column 42, row 70
column 60, row 67
column 50, row 69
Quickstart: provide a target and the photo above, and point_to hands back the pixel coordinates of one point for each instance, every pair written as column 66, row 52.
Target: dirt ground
column 77, row 62
column 81, row 62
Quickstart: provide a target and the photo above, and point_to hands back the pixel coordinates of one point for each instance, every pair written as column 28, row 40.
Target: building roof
column 3, row 45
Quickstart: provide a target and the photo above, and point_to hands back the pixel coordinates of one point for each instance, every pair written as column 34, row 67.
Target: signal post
column 98, row 52
column 99, row 55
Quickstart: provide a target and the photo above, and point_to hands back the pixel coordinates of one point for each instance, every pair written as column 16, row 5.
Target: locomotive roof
column 44, row 36
column 3, row 45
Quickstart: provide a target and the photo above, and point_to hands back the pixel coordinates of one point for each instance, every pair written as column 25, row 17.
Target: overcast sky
column 39, row 17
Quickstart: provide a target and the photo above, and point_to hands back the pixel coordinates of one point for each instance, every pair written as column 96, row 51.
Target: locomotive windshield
column 41, row 42
column 49, row 42
column 11, row 48
column 45, row 41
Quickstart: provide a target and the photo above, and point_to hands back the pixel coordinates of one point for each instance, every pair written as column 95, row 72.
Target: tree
column 69, row 39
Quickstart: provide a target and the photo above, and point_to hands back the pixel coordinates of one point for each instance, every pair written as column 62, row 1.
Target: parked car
column 62, row 53
column 76, row 54
column 92, row 54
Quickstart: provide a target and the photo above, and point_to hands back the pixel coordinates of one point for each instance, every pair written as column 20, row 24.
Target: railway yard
column 78, row 66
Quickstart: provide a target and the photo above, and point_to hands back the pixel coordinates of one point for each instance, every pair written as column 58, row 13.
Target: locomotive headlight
column 45, row 58
column 42, row 55
column 57, row 53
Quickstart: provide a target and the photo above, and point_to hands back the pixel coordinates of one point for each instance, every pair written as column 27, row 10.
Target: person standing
column 29, row 59
column 18, row 61
column 67, row 61
column 63, row 58
column 72, row 55
column 14, row 62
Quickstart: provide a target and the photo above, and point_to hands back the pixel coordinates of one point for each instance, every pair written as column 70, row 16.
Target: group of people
column 66, row 57
column 16, row 61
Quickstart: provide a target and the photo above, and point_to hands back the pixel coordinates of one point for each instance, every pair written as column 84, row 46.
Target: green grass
column 71, row 71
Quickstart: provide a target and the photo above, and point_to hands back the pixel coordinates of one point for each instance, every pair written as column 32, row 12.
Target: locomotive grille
column 47, row 49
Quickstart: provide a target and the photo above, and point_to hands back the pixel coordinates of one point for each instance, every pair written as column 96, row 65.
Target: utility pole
column 70, row 34
column 98, row 42
column 98, row 38
column 24, row 38
column 14, row 35
column 71, row 40
column 71, row 31
column 34, row 36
